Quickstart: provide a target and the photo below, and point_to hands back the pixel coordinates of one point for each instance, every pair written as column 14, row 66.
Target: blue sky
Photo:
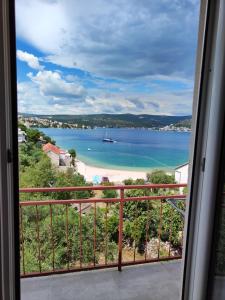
column 100, row 56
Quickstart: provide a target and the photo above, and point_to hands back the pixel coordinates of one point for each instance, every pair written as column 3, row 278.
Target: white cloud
column 163, row 103
column 29, row 99
column 30, row 59
column 32, row 100
column 52, row 84
column 42, row 23
column 109, row 104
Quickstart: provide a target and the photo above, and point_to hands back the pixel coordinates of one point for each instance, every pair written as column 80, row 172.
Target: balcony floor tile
column 155, row 281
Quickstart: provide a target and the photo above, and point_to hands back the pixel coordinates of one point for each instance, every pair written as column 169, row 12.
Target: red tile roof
column 49, row 147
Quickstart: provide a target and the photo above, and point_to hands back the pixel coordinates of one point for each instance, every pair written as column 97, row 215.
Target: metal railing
column 78, row 232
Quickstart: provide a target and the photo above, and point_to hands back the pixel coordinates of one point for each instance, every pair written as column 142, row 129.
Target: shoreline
column 122, row 168
column 114, row 175
column 92, row 165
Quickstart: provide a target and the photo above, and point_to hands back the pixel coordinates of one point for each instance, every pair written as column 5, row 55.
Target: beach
column 116, row 176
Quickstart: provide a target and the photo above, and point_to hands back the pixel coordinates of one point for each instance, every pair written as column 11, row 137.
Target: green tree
column 128, row 181
column 109, row 193
column 33, row 135
column 73, row 154
column 68, row 179
column 22, row 126
column 47, row 138
column 159, row 176
column 142, row 218
column 172, row 224
column 136, row 192
column 39, row 174
column 66, row 245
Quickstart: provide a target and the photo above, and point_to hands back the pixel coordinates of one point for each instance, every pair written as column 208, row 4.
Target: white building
column 21, row 136
column 58, row 156
column 181, row 173
column 53, row 153
column 65, row 158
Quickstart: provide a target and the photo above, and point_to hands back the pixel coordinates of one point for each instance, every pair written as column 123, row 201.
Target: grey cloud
column 133, row 41
column 142, row 104
column 137, row 102
column 125, row 39
column 155, row 105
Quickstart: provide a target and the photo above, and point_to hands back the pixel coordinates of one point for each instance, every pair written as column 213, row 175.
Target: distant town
column 173, row 127
column 180, row 124
column 48, row 123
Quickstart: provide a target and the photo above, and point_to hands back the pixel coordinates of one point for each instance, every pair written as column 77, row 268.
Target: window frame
column 207, row 137
column 208, row 112
column 9, row 197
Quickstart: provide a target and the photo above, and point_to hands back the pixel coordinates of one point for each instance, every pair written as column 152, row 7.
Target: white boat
column 108, row 140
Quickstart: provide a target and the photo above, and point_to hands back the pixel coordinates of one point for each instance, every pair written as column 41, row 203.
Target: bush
column 159, row 176
column 109, row 193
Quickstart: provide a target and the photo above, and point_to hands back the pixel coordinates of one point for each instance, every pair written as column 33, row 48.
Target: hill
column 184, row 123
column 117, row 120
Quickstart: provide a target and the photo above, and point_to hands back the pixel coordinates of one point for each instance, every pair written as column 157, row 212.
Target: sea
column 133, row 149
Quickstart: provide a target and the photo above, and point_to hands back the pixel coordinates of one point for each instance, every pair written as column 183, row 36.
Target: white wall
column 181, row 174
column 54, row 157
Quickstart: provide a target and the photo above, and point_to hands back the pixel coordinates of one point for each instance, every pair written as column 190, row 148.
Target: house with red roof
column 53, row 153
column 59, row 157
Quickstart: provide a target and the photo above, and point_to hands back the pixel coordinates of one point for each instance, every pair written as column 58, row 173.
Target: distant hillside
column 117, row 120
column 184, row 123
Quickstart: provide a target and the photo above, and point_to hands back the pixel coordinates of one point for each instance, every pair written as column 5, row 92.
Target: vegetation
column 36, row 170
column 140, row 214
column 62, row 235
column 184, row 123
column 160, row 177
column 109, row 193
column 35, row 136
column 53, row 239
column 73, row 154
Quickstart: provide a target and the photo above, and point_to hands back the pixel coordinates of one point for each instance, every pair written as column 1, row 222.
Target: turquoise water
column 138, row 149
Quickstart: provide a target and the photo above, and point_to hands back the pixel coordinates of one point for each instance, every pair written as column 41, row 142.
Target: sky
column 101, row 56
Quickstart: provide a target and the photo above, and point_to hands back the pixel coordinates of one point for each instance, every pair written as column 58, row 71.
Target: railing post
column 120, row 240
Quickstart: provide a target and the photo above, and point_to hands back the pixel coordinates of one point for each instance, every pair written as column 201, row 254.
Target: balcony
column 142, row 228
column 156, row 281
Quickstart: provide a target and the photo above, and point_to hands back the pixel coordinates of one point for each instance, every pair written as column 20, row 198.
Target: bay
column 134, row 149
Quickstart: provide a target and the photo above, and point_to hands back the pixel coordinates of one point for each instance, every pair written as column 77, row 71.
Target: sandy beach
column 116, row 176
